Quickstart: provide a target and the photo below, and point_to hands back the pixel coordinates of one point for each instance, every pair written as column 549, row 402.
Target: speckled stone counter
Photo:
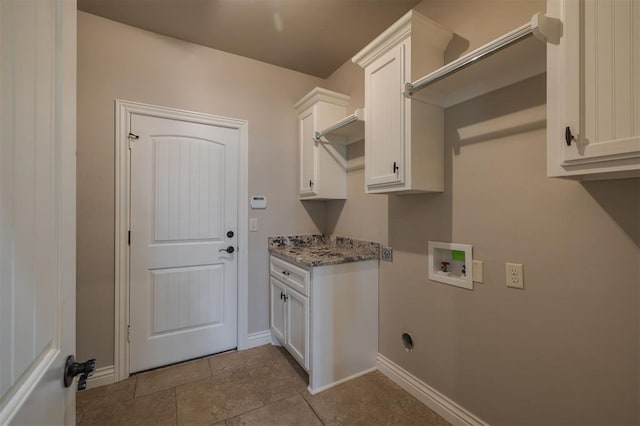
column 320, row 250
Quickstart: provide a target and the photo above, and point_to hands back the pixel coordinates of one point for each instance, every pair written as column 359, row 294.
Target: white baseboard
column 258, row 339
column 336, row 383
column 275, row 341
column 102, row 376
column 445, row 407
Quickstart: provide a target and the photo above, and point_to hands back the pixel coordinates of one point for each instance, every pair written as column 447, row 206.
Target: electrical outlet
column 387, row 254
column 515, row 278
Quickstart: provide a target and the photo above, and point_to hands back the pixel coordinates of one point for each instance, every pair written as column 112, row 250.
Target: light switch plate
column 253, row 224
column 478, row 271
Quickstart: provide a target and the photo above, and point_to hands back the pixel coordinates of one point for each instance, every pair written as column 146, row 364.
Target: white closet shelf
column 346, row 131
column 513, row 57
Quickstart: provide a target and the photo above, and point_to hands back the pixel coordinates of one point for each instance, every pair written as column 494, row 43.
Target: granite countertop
column 320, row 250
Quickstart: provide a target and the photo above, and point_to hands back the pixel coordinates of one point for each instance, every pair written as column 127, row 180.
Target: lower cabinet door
column 277, row 292
column 297, row 324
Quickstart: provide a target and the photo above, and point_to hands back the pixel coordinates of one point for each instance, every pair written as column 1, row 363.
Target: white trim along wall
column 123, row 110
column 102, row 376
column 444, row 406
column 258, row 338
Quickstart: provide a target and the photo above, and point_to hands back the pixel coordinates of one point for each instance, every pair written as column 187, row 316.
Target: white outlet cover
column 514, row 275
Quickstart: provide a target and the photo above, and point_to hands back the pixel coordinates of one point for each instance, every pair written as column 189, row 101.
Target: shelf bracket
column 546, row 29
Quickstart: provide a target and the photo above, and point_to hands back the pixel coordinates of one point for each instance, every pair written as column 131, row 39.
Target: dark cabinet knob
column 568, row 136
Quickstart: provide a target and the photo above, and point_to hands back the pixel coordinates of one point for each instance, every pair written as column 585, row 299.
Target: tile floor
column 260, row 386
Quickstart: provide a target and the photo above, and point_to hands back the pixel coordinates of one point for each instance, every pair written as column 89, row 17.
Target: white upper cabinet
column 404, row 140
column 593, row 89
column 322, row 165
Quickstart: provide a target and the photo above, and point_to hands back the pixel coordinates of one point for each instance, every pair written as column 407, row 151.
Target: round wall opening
column 407, row 341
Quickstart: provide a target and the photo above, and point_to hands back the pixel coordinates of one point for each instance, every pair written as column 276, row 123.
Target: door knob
column 73, row 368
column 229, row 249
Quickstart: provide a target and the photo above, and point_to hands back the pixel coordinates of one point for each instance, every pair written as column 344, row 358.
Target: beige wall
column 119, row 61
column 359, row 216
column 563, row 351
column 566, row 349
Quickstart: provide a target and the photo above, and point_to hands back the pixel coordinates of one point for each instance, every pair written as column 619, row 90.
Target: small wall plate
column 387, row 254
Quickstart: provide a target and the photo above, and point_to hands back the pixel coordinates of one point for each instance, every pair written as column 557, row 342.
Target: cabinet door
column 384, row 123
column 278, row 324
column 297, row 314
column 597, row 65
column 308, row 154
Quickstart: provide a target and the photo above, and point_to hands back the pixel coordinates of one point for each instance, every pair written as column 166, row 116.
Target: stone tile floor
column 260, row 386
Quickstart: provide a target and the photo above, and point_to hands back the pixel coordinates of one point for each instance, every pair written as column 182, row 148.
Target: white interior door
column 184, row 214
column 37, row 210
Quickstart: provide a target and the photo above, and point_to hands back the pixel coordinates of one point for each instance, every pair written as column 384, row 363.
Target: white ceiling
column 311, row 36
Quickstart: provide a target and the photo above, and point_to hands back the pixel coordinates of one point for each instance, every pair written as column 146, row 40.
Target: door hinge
column 129, row 333
column 129, row 238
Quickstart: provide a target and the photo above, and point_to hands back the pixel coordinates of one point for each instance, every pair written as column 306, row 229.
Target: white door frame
column 123, row 175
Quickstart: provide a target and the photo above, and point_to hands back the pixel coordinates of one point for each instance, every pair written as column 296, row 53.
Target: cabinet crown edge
column 319, row 94
column 438, row 36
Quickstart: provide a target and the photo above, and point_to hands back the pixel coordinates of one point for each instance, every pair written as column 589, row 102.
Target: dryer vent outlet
column 407, row 341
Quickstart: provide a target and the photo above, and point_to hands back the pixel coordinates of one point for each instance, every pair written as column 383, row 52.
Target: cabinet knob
column 286, row 297
column 395, row 167
column 311, row 183
column 568, row 136
column 287, row 273
column 281, row 295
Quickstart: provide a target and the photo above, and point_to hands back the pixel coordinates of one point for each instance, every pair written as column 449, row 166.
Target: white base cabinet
column 332, row 330
column 290, row 320
column 277, row 291
column 289, row 301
